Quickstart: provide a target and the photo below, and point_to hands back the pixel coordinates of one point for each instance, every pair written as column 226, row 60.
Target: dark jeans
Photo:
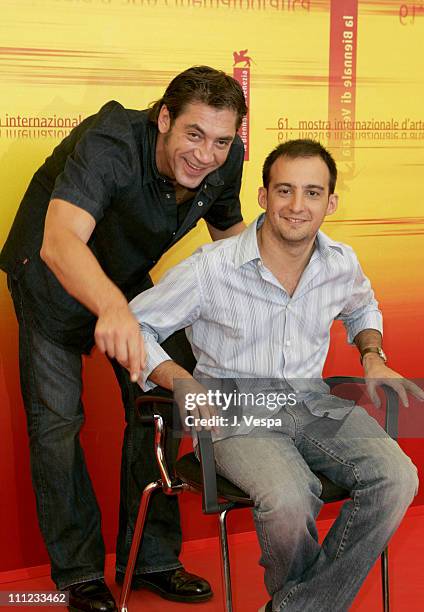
column 68, row 512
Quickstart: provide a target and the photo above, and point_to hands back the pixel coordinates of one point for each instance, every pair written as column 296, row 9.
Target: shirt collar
column 248, row 249
column 214, row 178
column 325, row 246
column 247, row 246
column 151, row 173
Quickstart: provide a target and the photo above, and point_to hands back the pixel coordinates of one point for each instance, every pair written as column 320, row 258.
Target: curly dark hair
column 201, row 84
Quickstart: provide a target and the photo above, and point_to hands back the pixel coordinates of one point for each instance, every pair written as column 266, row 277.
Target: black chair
column 219, row 496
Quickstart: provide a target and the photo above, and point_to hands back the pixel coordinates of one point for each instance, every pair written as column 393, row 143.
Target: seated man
column 260, row 305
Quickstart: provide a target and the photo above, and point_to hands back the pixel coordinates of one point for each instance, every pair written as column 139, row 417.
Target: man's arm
column 173, row 304
column 234, row 230
column 65, row 251
column 364, row 324
column 103, row 162
column 173, row 377
column 377, row 373
column 165, row 374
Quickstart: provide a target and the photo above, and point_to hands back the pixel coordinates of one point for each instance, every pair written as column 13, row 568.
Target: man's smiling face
column 195, row 144
column 297, row 198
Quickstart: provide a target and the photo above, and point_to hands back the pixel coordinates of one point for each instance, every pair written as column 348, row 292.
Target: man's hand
column 118, row 334
column 187, row 393
column 65, row 251
column 377, row 373
column 194, row 406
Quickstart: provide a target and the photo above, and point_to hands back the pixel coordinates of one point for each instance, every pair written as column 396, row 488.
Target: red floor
column 202, row 556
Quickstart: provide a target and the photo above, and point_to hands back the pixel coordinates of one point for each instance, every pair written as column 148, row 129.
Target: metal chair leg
column 385, row 579
column 135, row 544
column 225, row 561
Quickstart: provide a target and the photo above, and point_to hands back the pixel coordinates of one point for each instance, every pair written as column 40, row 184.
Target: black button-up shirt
column 107, row 167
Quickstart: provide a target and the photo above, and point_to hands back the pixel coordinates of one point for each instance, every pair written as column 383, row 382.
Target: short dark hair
column 300, row 148
column 201, row 84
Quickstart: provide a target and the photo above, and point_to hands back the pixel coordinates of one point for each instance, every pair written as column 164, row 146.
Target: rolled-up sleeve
column 173, row 304
column 361, row 310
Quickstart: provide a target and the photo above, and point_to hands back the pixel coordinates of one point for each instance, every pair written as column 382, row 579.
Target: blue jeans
column 275, row 470
column 68, row 512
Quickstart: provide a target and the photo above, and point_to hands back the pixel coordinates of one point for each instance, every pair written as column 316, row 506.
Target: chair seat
column 188, row 470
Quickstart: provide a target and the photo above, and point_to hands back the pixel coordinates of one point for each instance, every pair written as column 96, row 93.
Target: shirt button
column 200, row 203
column 173, row 233
column 288, row 343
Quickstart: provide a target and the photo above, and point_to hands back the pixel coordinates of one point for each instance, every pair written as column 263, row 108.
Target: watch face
column 382, row 354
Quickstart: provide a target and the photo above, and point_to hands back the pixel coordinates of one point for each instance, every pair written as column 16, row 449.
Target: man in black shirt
column 119, row 191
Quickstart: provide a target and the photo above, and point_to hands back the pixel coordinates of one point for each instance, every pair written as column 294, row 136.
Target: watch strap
column 373, row 349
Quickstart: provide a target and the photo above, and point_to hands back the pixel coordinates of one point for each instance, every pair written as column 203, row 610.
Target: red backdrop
column 21, row 543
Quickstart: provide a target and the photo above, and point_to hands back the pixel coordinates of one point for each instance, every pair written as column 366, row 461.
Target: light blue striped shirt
column 241, row 322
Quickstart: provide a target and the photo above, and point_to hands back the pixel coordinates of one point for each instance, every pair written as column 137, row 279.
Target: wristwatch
column 374, row 349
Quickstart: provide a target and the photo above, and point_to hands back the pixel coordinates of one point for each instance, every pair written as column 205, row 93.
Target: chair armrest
column 160, row 436
column 150, row 399
column 392, row 401
column 210, row 503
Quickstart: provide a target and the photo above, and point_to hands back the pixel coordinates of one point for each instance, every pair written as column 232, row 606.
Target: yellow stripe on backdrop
column 67, row 57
